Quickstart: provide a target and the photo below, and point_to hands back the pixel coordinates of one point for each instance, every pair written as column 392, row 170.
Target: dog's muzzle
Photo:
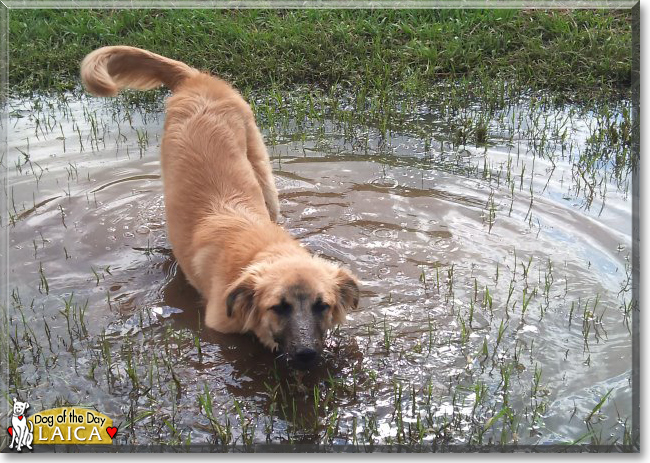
column 305, row 358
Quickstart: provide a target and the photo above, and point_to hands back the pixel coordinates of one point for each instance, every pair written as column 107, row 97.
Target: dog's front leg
column 19, row 444
column 24, row 437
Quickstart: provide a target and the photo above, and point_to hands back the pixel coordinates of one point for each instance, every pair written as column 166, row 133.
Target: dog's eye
column 283, row 308
column 320, row 307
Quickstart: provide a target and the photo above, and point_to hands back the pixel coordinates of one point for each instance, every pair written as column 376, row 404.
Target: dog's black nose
column 306, row 355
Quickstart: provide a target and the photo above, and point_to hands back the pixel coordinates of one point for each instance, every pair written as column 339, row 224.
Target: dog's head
column 20, row 407
column 291, row 303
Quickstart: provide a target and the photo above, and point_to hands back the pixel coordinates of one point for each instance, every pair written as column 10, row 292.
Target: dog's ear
column 14, row 400
column 26, row 405
column 347, row 294
column 240, row 296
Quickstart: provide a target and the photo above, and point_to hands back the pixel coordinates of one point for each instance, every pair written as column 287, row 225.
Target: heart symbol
column 10, row 430
column 111, row 431
column 20, row 417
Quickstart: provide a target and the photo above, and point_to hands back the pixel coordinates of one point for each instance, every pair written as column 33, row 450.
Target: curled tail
column 107, row 70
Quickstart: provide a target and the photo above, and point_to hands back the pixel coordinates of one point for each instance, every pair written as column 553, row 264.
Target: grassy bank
column 583, row 53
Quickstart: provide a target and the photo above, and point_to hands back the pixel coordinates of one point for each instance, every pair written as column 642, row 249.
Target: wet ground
column 495, row 274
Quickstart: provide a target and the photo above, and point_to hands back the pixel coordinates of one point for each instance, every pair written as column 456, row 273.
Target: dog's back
column 212, row 154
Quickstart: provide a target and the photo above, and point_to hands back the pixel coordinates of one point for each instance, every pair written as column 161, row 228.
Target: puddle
column 494, row 290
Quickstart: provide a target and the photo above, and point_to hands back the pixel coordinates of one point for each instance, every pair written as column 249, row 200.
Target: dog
column 21, row 434
column 222, row 207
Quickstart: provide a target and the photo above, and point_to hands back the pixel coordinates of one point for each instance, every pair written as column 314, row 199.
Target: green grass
column 581, row 52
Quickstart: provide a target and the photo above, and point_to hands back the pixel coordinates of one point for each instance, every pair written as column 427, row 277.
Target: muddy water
column 493, row 290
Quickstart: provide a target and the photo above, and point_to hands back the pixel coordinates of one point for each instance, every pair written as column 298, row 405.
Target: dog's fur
column 21, row 435
column 221, row 205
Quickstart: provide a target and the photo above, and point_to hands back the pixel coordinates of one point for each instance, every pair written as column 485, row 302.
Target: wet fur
column 221, row 205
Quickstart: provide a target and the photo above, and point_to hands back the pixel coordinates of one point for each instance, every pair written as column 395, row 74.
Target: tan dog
column 221, row 205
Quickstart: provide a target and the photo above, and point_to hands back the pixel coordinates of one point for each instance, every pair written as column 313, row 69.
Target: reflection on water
column 493, row 302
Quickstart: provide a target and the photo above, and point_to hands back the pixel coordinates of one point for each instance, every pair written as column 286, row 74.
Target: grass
column 581, row 53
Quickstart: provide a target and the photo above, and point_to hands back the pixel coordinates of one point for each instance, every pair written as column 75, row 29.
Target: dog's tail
column 107, row 70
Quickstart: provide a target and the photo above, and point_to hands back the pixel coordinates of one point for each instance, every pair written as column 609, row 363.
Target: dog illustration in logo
column 21, row 434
